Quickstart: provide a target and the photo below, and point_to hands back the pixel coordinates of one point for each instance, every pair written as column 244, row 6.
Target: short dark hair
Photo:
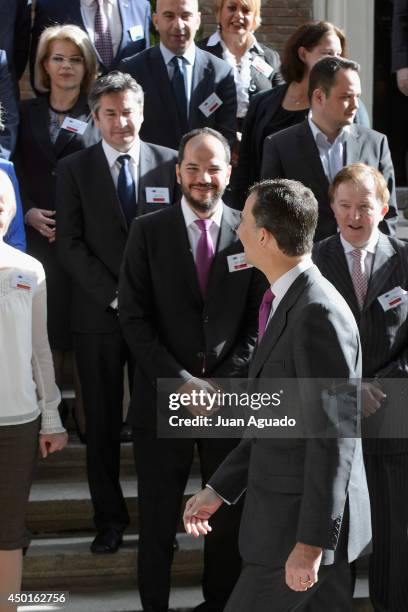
column 113, row 82
column 324, row 73
column 199, row 131
column 307, row 35
column 288, row 210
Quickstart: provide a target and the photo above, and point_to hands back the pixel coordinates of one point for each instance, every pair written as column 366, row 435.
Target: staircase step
column 67, row 564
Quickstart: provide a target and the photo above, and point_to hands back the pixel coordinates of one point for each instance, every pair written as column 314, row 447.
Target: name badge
column 22, row 281
column 238, row 262
column 74, row 125
column 261, row 66
column 136, row 32
column 210, row 105
column 392, row 298
column 157, row 195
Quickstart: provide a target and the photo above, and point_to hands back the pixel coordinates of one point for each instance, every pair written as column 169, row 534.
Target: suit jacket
column 15, row 235
column 15, row 25
column 384, row 335
column 9, row 113
column 132, row 12
column 171, row 330
column 92, row 229
column 293, row 154
column 300, row 490
column 161, row 123
column 399, row 39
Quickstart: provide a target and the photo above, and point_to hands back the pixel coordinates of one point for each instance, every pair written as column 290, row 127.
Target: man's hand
column 49, row 443
column 371, row 398
column 198, row 510
column 201, row 390
column 40, row 219
column 402, row 80
column 302, row 566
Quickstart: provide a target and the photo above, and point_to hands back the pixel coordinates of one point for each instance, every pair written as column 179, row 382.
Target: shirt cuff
column 207, row 486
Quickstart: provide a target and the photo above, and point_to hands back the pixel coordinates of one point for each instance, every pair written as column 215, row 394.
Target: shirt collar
column 316, row 131
column 190, row 216
column 370, row 247
column 281, row 286
column 112, row 154
column 189, row 54
column 92, row 2
column 215, row 38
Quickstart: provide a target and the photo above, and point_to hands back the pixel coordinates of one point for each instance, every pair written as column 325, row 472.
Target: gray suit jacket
column 384, row 335
column 310, row 490
column 293, row 154
column 161, row 123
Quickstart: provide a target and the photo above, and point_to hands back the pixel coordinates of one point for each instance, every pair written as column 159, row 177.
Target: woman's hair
column 307, row 35
column 72, row 34
column 252, row 5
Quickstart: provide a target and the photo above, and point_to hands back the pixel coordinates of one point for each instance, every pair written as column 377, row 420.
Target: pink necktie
column 264, row 312
column 204, row 253
column 103, row 40
column 359, row 276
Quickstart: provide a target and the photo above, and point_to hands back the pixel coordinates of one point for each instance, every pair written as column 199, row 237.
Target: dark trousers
column 163, row 467
column 263, row 589
column 101, row 359
column 387, row 477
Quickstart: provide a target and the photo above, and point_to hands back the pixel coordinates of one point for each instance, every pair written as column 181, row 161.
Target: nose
column 179, row 23
column 204, row 176
column 355, row 214
column 354, row 102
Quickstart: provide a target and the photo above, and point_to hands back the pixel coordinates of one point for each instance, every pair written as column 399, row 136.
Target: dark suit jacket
column 161, row 123
column 171, row 331
column 15, row 25
column 92, row 230
column 293, row 154
column 259, row 82
column 132, row 12
column 399, row 39
column 9, row 112
column 298, row 490
column 384, row 335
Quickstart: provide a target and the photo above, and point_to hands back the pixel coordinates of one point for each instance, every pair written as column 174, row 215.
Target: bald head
column 7, row 202
column 177, row 22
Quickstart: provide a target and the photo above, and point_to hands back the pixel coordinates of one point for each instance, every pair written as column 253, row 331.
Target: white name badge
column 210, row 105
column 262, row 67
column 22, row 281
column 237, row 262
column 136, row 32
column 74, row 125
column 392, row 298
column 157, row 195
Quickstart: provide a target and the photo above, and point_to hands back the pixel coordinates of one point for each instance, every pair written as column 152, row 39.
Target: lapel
column 226, row 237
column 353, row 145
column 202, row 83
column 125, row 17
column 80, row 111
column 158, row 72
column 383, row 265
column 106, row 188
column 39, row 119
column 277, row 324
column 179, row 244
column 310, row 156
column 334, row 266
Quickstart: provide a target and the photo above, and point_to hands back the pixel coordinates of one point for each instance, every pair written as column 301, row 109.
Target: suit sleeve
column 16, row 232
column 74, row 254
column 225, row 120
column 9, row 112
column 243, row 175
column 271, row 163
column 231, row 478
column 399, row 35
column 385, row 166
column 137, row 312
column 22, row 36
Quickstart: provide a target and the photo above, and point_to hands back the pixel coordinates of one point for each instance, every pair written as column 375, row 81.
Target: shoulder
column 321, row 247
column 202, row 44
column 82, row 158
column 212, row 61
column 283, row 137
column 321, row 297
column 271, row 56
column 7, row 166
column 138, row 61
column 160, row 152
column 156, row 221
column 366, row 133
column 25, row 263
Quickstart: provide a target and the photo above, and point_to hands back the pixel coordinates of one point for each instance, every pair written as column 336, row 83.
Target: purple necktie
column 264, row 312
column 359, row 276
column 103, row 40
column 204, row 253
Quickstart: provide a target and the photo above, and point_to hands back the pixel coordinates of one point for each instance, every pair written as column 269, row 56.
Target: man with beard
column 186, row 315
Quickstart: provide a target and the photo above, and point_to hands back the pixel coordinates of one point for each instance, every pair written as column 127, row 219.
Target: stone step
column 67, row 564
column 57, row 506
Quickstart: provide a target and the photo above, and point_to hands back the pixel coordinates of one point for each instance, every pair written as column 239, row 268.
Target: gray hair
column 113, row 82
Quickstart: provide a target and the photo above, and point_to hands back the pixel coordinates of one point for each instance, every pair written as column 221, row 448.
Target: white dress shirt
column 114, row 166
column 368, row 252
column 189, row 56
column 88, row 11
column 194, row 231
column 332, row 154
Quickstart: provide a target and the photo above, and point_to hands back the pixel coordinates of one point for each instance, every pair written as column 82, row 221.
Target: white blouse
column 27, row 383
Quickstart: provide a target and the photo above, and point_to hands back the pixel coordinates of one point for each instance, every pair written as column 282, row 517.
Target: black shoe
column 126, row 433
column 107, row 542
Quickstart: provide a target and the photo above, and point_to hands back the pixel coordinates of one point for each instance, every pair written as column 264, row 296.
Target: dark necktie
column 179, row 88
column 204, row 253
column 126, row 189
column 359, row 276
column 264, row 312
column 103, row 40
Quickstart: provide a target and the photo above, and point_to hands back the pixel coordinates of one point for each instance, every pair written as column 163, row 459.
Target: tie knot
column 123, row 159
column 268, row 298
column 358, row 254
column 177, row 60
column 204, row 224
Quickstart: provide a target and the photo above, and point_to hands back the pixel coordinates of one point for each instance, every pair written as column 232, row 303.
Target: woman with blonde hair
column 29, row 397
column 54, row 125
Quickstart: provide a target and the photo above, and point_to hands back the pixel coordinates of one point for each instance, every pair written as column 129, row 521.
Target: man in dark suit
column 128, row 24
column 306, row 512
column 8, row 110
column 185, row 87
column 370, row 270
column 15, row 25
column 99, row 191
column 189, row 324
column 314, row 151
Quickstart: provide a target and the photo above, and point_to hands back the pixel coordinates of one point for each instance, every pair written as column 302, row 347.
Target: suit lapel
column 165, row 92
column 125, row 16
column 335, row 268
column 353, row 145
column 40, row 122
column 80, row 112
column 106, row 187
column 180, row 247
column 310, row 154
column 226, row 237
column 146, row 163
column 200, row 86
column 383, row 265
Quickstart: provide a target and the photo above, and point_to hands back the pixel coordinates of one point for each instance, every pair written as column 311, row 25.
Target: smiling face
column 119, row 118
column 65, row 65
column 177, row 22
column 358, row 210
column 236, row 17
column 203, row 174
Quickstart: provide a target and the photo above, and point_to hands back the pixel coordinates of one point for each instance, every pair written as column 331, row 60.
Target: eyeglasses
column 74, row 60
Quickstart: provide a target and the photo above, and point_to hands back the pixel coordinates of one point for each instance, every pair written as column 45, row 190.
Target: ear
column 384, row 210
column 228, row 174
column 154, row 19
column 95, row 118
column 318, row 96
column 302, row 54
